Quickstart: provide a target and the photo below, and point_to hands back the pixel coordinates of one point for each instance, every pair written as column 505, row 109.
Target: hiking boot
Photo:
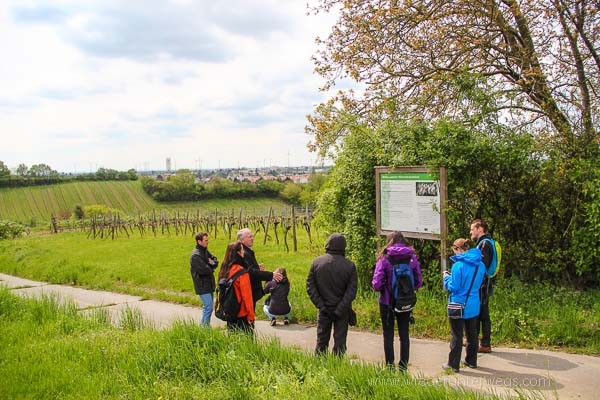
column 484, row 349
column 273, row 321
column 286, row 321
column 447, row 367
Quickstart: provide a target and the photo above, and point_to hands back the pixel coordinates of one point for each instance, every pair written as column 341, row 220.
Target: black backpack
column 227, row 306
column 404, row 296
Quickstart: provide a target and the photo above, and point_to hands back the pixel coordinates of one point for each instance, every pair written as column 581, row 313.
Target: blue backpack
column 404, row 296
column 492, row 271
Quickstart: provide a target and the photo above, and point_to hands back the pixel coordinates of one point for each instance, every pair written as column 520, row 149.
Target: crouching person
column 277, row 304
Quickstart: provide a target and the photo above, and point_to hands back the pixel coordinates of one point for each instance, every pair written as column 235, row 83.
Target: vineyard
column 274, row 226
column 40, row 203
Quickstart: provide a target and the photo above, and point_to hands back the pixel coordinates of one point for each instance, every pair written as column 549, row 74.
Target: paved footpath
column 548, row 374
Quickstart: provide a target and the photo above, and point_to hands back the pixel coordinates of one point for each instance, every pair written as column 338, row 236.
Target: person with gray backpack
column 397, row 277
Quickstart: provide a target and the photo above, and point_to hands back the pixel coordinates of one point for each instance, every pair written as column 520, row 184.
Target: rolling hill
column 39, row 203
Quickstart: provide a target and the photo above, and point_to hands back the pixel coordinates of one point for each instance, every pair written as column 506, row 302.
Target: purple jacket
column 382, row 278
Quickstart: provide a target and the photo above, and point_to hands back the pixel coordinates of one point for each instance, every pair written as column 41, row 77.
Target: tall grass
column 158, row 268
column 51, row 351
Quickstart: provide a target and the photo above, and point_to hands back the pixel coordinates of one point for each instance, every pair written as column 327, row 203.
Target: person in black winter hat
column 331, row 285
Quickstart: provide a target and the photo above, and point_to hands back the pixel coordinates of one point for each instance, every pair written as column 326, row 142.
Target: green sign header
column 407, row 176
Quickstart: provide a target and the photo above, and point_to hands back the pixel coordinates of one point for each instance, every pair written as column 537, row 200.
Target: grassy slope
column 158, row 267
column 51, row 351
column 40, row 202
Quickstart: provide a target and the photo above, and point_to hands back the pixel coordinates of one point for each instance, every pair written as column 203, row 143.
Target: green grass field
column 158, row 267
column 39, row 203
column 52, row 351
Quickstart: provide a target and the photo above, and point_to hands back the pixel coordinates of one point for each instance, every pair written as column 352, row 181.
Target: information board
column 409, row 199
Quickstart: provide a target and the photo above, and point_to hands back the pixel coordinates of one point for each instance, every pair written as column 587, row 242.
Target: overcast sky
column 127, row 83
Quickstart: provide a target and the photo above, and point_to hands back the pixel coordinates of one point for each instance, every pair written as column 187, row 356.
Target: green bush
column 544, row 210
column 79, row 212
column 11, row 230
column 102, row 210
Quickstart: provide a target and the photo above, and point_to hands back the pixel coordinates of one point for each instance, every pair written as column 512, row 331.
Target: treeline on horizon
column 183, row 187
column 43, row 174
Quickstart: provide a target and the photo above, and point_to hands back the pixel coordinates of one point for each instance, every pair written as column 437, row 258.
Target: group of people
column 332, row 286
column 468, row 283
column 248, row 287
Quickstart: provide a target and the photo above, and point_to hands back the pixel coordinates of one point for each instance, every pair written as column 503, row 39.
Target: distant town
column 296, row 174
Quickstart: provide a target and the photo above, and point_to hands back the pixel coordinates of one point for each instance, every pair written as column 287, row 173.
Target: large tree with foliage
column 41, row 171
column 537, row 61
column 504, row 70
column 4, row 171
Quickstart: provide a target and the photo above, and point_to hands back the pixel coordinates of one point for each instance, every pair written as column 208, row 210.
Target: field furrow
column 117, row 196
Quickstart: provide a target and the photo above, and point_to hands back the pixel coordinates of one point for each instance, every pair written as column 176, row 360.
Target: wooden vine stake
column 294, row 229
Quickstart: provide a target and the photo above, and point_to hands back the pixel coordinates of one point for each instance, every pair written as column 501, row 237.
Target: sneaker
column 286, row 321
column 466, row 364
column 273, row 322
column 447, row 367
column 485, row 349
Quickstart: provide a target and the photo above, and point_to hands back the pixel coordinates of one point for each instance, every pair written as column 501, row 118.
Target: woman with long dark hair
column 395, row 251
column 232, row 263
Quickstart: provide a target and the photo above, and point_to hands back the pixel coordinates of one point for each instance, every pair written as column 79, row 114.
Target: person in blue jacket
column 468, row 267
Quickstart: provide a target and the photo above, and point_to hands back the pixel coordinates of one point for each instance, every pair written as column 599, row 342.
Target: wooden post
column 294, row 229
column 267, row 227
column 216, row 222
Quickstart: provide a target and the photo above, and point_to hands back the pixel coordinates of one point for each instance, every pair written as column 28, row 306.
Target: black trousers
column 457, row 326
column 388, row 320
column 484, row 324
column 340, row 332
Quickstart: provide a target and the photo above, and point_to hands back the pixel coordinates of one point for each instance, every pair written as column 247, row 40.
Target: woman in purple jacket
column 395, row 251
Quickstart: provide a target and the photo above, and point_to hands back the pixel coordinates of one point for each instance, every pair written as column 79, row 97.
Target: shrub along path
column 505, row 371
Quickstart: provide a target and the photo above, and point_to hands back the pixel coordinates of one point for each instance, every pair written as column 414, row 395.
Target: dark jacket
column 279, row 303
column 487, row 254
column 202, row 267
column 332, row 281
column 256, row 275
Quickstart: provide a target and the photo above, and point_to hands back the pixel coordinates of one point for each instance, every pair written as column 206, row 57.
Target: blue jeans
column 207, row 308
column 271, row 316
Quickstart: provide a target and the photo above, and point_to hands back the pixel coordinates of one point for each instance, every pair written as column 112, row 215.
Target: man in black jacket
column 479, row 232
column 331, row 285
column 255, row 270
column 202, row 267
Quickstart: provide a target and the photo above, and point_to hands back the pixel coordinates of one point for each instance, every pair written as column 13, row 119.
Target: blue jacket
column 458, row 282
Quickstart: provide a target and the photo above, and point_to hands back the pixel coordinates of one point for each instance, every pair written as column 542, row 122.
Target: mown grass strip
column 4, row 214
column 53, row 200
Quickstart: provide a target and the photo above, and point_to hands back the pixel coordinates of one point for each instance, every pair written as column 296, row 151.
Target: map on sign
column 409, row 201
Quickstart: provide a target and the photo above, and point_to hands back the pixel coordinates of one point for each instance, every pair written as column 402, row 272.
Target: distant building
column 298, row 178
column 168, row 164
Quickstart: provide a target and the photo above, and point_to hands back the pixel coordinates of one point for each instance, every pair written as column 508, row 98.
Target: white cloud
column 125, row 84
